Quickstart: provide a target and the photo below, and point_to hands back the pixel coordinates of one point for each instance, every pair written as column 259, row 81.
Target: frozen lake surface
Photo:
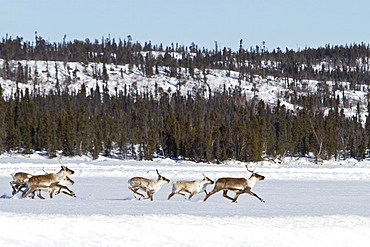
column 306, row 205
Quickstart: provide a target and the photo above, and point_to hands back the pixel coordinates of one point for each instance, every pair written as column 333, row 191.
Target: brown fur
column 56, row 188
column 191, row 187
column 19, row 181
column 41, row 181
column 239, row 185
column 148, row 185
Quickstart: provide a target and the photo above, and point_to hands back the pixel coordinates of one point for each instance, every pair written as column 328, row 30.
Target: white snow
column 72, row 75
column 306, row 205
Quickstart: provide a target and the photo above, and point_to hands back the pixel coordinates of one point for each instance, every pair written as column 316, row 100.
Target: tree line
column 349, row 63
column 223, row 126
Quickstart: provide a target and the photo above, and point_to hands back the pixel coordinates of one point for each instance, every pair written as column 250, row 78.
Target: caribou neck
column 252, row 181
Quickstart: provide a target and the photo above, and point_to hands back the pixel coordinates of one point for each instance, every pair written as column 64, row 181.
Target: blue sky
column 289, row 24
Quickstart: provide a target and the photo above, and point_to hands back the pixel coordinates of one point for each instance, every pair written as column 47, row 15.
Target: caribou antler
column 60, row 161
column 43, row 168
column 246, row 166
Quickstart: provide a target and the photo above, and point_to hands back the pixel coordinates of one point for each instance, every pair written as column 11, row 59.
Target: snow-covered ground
column 306, row 205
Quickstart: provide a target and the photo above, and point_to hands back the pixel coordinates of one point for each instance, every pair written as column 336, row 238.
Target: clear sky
column 289, row 24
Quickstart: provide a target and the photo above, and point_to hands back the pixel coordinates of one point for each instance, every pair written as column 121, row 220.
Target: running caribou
column 57, row 188
column 19, row 181
column 239, row 185
column 39, row 182
column 149, row 186
column 191, row 187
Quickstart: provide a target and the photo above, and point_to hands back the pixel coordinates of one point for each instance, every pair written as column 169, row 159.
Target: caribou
column 57, row 188
column 149, row 186
column 239, row 185
column 191, row 187
column 19, row 181
column 39, row 182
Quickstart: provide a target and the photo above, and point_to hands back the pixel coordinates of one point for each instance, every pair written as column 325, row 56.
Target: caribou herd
column 238, row 185
column 55, row 183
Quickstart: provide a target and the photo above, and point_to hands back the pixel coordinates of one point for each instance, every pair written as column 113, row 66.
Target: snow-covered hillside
column 306, row 205
column 45, row 76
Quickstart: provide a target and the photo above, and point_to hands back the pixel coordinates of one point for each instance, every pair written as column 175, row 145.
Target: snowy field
column 306, row 205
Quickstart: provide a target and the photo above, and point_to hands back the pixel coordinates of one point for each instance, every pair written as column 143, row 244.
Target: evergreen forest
column 224, row 125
